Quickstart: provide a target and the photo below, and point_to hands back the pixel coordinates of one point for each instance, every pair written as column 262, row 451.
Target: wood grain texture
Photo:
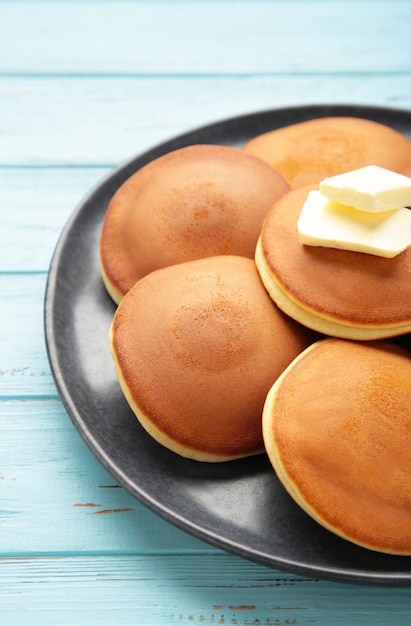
column 235, row 37
column 180, row 589
column 65, row 120
column 24, row 369
column 47, row 473
column 36, row 204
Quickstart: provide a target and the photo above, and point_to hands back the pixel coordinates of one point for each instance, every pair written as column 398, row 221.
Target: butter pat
column 325, row 223
column 370, row 188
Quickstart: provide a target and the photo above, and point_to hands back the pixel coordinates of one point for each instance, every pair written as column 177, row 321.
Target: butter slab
column 326, row 223
column 371, row 188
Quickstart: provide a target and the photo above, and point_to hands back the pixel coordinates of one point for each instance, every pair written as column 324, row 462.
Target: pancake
column 407, row 172
column 195, row 202
column 352, row 295
column 196, row 347
column 336, row 427
column 307, row 152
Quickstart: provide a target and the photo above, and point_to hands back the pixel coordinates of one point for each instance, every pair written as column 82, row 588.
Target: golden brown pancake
column 336, row 427
column 345, row 294
column 407, row 172
column 307, row 152
column 197, row 346
column 191, row 203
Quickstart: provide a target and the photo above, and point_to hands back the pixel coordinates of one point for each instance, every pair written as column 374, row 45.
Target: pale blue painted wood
column 185, row 590
column 204, row 37
column 24, row 369
column 35, row 206
column 104, row 121
column 55, row 498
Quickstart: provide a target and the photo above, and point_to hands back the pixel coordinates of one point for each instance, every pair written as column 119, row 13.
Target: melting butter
column 371, row 188
column 327, row 223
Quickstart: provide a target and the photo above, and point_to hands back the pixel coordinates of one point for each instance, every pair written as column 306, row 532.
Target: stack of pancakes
column 231, row 338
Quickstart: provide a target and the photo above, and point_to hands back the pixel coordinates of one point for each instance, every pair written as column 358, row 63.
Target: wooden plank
column 36, row 203
column 204, row 37
column 104, row 121
column 216, row 589
column 56, row 498
column 24, row 369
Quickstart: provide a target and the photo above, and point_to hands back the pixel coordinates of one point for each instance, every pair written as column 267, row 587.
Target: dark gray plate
column 238, row 506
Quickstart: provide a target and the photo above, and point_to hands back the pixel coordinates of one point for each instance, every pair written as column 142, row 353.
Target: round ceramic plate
column 239, row 506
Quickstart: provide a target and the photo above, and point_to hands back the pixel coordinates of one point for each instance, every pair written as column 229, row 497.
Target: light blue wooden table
column 83, row 87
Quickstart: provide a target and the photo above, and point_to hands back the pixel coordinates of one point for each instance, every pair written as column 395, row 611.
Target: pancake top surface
column 195, row 202
column 197, row 346
column 351, row 287
column 307, row 152
column 337, row 426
